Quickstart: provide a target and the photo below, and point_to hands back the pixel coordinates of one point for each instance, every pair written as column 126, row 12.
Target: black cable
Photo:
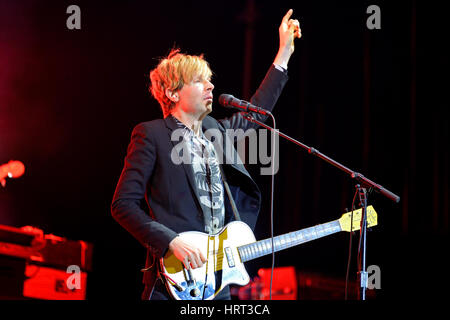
column 350, row 245
column 271, row 202
column 274, row 135
column 361, row 230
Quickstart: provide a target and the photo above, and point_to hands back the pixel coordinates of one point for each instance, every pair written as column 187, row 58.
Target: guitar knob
column 194, row 292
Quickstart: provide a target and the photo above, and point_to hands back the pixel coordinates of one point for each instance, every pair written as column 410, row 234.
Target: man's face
column 196, row 97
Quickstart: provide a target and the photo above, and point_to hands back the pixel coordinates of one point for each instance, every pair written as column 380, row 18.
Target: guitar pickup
column 229, row 256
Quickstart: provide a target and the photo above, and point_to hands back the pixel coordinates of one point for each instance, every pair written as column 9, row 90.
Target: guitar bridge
column 229, row 256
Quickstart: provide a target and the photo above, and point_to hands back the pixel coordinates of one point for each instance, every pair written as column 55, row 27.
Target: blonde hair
column 172, row 73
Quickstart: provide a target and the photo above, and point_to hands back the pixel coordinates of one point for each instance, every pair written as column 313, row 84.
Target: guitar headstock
column 345, row 220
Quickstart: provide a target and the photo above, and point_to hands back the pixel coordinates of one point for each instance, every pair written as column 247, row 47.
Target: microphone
column 228, row 101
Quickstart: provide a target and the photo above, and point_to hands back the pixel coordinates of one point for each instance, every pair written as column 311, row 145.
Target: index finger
column 287, row 16
column 186, row 263
column 202, row 257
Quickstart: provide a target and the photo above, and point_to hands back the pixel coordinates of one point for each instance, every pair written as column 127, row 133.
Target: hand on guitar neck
column 190, row 255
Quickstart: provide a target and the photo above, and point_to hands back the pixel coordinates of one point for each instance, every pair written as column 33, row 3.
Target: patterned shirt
column 208, row 180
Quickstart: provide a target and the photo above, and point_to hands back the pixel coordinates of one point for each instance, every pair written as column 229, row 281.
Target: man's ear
column 172, row 95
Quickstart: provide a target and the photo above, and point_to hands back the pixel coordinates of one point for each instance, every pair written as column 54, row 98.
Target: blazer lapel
column 172, row 126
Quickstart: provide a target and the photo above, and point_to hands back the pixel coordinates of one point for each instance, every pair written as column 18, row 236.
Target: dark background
column 374, row 100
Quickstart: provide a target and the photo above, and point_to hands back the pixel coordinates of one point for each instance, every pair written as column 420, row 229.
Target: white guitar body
column 223, row 266
column 235, row 244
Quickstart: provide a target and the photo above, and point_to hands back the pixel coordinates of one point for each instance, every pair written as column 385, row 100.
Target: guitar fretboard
column 264, row 247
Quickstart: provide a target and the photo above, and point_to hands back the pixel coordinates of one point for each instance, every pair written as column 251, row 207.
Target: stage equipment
column 228, row 101
column 362, row 183
column 12, row 169
column 284, row 285
column 34, row 265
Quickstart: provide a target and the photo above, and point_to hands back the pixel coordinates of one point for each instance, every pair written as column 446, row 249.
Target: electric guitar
column 228, row 250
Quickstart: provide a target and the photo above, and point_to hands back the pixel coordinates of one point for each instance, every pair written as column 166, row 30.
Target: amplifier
column 32, row 244
column 53, row 284
column 34, row 265
column 22, row 279
column 284, row 286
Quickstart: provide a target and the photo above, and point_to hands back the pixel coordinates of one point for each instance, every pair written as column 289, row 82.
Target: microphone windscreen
column 225, row 99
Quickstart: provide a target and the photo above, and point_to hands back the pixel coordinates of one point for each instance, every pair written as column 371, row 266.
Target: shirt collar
column 181, row 125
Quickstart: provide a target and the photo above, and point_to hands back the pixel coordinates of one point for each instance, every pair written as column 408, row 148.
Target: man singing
column 189, row 196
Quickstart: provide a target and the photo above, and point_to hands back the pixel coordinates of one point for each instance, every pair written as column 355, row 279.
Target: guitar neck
column 264, row 247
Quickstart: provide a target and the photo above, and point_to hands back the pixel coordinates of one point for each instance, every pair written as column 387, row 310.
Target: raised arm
column 289, row 30
column 276, row 77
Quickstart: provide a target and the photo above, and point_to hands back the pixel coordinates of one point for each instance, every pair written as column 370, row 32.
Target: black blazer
column 155, row 199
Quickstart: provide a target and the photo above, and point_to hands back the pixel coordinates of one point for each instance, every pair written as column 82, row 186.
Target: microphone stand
column 362, row 184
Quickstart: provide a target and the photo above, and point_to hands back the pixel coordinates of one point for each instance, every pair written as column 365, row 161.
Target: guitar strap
column 227, row 189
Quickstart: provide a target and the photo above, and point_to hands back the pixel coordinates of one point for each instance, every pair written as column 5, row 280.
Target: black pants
column 160, row 293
